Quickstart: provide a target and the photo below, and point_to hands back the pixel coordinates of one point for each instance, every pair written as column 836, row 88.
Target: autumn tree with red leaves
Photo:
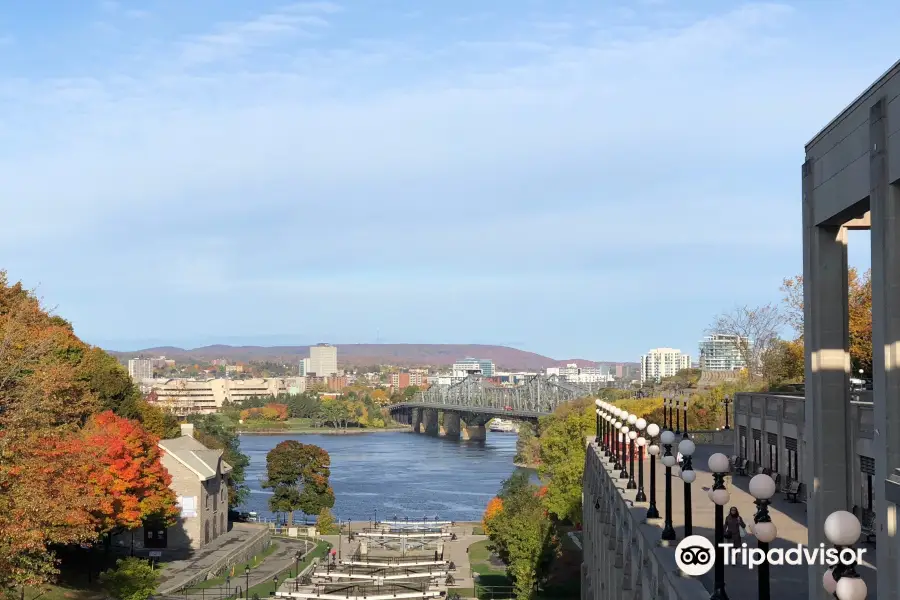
column 65, row 476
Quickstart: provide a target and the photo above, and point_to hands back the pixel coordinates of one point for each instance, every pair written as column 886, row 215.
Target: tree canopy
column 298, row 476
column 218, row 433
column 72, row 467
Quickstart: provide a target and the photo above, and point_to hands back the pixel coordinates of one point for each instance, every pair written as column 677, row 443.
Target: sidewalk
column 177, row 574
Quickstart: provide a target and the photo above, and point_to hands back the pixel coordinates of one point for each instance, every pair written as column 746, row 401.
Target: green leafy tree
column 215, row 432
column 325, row 522
column 298, row 477
column 562, row 452
column 522, row 535
column 132, row 579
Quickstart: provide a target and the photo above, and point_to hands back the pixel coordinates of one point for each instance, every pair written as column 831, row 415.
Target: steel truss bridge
column 537, row 397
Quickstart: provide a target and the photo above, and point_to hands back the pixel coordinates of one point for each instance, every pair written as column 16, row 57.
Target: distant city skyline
column 546, row 173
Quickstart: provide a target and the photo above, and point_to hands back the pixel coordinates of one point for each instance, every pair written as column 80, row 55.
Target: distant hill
column 358, row 355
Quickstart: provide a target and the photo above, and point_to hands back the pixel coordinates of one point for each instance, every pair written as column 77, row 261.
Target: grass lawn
column 265, row 589
column 480, row 562
column 58, row 592
column 478, row 530
column 219, row 581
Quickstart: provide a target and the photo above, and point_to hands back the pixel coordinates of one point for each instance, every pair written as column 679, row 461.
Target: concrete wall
column 784, row 417
column 622, row 555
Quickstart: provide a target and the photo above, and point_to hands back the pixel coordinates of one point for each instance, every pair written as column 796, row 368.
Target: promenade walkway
column 787, row 581
column 178, row 574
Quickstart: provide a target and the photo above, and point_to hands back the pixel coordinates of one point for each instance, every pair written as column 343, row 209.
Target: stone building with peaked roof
column 200, row 482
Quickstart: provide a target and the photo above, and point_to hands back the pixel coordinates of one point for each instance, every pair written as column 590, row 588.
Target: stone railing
column 715, row 437
column 623, row 557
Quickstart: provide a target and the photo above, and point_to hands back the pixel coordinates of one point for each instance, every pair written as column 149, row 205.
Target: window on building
column 773, row 452
column 867, row 466
column 742, row 442
column 757, row 447
column 793, row 461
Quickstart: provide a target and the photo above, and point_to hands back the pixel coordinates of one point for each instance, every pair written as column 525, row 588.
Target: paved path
column 177, row 573
column 786, row 581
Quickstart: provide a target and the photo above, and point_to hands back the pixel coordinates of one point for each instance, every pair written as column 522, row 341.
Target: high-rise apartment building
column 663, row 362
column 304, row 367
column 322, row 360
column 721, row 352
column 140, row 368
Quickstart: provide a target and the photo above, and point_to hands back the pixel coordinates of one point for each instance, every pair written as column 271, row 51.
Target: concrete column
column 416, row 420
column 430, row 420
column 884, row 206
column 473, row 433
column 450, row 428
column 825, row 281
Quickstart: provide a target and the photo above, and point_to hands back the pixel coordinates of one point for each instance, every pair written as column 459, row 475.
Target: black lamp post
column 617, row 434
column 687, row 448
column 275, row 580
column 247, row 580
column 726, row 402
column 597, row 437
column 686, row 401
column 719, row 466
column 843, row 529
column 762, row 487
column 665, row 413
column 228, row 585
column 623, row 440
column 641, row 441
column 677, row 408
column 668, row 438
column 632, row 438
column 653, row 451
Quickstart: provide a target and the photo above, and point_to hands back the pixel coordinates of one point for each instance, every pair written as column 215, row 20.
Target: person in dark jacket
column 733, row 525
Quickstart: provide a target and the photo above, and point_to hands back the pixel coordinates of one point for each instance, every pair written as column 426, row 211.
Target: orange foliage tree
column 860, row 314
column 494, row 508
column 124, row 473
column 52, row 487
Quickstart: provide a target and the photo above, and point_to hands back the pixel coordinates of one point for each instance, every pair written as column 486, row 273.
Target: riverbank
column 320, row 431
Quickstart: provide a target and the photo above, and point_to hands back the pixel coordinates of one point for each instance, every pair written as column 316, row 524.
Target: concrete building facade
column 140, row 368
column 851, row 180
column 770, row 432
column 322, row 360
column 663, row 362
column 188, row 396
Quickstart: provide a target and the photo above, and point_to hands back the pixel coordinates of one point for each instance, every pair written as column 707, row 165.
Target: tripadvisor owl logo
column 695, row 555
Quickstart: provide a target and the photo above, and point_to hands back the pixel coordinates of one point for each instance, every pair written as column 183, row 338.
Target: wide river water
column 405, row 474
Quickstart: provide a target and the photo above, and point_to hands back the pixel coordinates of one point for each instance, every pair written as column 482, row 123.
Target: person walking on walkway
column 734, row 526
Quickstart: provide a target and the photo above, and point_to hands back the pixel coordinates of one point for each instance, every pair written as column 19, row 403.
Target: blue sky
column 571, row 177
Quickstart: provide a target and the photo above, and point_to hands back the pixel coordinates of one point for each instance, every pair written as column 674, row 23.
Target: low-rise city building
column 189, row 396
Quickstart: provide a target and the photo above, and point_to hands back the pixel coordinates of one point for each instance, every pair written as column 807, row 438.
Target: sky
column 571, row 177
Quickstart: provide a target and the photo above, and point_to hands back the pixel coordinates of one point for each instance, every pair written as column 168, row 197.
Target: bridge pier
column 451, row 425
column 416, row 419
column 430, row 420
column 473, row 433
column 473, row 427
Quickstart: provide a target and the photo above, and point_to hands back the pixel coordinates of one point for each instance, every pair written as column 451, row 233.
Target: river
column 400, row 473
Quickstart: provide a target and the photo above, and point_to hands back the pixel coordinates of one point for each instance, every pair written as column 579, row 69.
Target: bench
column 792, row 491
